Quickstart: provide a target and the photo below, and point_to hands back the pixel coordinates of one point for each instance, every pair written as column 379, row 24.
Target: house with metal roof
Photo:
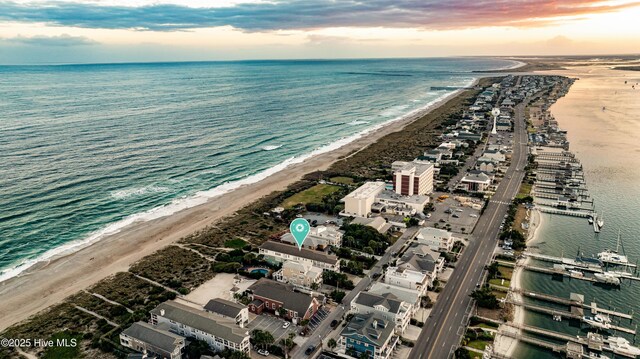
column 387, row 305
column 370, row 335
column 152, row 341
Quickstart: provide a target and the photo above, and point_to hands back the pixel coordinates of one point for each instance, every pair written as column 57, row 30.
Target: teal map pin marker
column 299, row 228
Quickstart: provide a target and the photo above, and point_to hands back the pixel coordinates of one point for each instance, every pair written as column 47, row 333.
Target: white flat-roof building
column 399, row 204
column 436, row 239
column 412, row 178
column 358, row 203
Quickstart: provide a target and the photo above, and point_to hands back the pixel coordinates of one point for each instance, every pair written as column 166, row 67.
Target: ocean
column 88, row 149
column 608, row 145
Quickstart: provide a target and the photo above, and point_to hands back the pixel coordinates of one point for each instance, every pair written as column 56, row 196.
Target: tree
column 485, row 298
column 287, row 344
column 262, row 338
column 282, row 312
column 315, row 286
column 196, row 349
column 332, row 344
column 493, row 270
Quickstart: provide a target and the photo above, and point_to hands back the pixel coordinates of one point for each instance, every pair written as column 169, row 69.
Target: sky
column 90, row 31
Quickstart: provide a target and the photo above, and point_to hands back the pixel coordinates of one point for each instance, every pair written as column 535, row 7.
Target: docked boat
column 613, row 257
column 576, row 273
column 598, row 321
column 620, row 345
column 600, row 221
column 607, row 278
column 590, row 219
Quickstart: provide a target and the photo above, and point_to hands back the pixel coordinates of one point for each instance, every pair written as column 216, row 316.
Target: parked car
column 334, row 323
column 310, row 349
column 263, row 352
column 442, row 220
column 473, row 215
column 455, row 215
column 375, row 275
column 286, row 325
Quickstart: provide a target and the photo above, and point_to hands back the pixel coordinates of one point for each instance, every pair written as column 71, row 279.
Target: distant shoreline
column 48, row 283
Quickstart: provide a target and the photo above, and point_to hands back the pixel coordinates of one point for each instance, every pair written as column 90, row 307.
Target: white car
column 286, row 325
column 263, row 352
column 473, row 215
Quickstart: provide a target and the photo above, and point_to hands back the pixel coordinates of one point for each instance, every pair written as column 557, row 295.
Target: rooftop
column 387, row 300
column 300, row 253
column 283, row 293
column 224, row 307
column 153, row 335
column 367, row 190
column 201, row 320
column 368, row 328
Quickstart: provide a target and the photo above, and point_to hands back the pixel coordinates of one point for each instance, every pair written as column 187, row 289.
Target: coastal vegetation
column 314, row 194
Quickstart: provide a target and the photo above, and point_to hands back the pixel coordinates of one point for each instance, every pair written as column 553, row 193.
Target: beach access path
column 444, row 328
column 46, row 284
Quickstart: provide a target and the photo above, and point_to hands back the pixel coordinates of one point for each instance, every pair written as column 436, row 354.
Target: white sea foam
column 202, row 197
column 271, row 147
column 357, row 122
column 138, row 191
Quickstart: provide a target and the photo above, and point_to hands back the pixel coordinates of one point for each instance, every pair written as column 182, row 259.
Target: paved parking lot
column 461, row 217
column 272, row 325
column 320, row 315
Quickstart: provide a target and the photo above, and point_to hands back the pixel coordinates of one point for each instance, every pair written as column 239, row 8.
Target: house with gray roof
column 227, row 309
column 368, row 334
column 184, row 320
column 281, row 299
column 387, row 305
column 277, row 252
column 152, row 341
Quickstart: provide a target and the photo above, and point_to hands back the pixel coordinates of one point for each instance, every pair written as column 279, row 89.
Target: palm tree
column 287, row 344
column 332, row 344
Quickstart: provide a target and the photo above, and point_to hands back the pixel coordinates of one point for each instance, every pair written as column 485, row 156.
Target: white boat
column 598, row 321
column 607, row 278
column 590, row 220
column 594, row 355
column 576, row 273
column 601, row 221
column 613, row 257
column 622, row 346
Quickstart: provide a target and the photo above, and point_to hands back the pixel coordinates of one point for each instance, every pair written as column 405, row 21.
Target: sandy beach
column 46, row 284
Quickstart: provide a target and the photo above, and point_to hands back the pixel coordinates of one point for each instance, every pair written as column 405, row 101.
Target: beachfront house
column 368, row 335
column 219, row 333
column 387, row 306
column 281, row 299
column 152, row 341
column 230, row 310
column 319, row 238
column 279, row 253
column 301, row 275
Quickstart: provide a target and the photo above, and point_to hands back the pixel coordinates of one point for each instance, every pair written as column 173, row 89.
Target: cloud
column 308, row 14
column 61, row 40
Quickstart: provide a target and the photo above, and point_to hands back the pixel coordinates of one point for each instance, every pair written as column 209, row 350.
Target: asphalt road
column 444, row 328
column 323, row 330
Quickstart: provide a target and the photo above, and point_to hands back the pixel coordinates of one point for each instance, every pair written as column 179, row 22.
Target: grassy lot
column 525, row 190
column 342, row 179
column 477, row 344
column 499, row 294
column 235, row 243
column 487, row 325
column 499, row 282
column 311, row 195
column 505, row 272
column 520, row 218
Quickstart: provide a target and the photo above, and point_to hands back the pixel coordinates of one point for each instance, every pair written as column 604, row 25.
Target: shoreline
column 204, row 196
column 47, row 283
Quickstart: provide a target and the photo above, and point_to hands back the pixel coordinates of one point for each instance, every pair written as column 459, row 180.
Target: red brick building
column 268, row 295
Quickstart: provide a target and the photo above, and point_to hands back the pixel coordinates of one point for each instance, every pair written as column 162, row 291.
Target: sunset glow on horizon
column 178, row 30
